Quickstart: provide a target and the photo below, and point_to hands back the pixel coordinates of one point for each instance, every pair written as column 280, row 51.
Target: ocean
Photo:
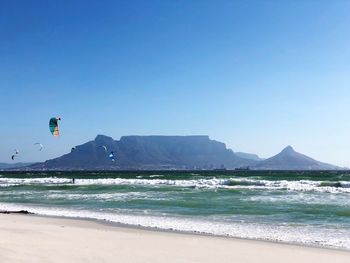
column 310, row 208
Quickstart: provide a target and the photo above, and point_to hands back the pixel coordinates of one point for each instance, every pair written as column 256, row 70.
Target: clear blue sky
column 257, row 75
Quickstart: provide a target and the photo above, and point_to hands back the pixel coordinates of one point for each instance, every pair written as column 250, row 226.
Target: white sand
column 41, row 239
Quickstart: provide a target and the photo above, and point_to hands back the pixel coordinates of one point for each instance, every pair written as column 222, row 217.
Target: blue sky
column 257, row 75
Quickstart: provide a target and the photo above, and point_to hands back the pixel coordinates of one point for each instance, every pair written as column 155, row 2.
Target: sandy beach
column 28, row 238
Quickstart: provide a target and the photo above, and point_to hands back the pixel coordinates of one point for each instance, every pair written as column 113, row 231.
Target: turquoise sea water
column 299, row 207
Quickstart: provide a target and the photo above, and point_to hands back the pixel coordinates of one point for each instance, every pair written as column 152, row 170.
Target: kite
column 40, row 145
column 53, row 124
column 111, row 157
column 104, row 147
column 15, row 154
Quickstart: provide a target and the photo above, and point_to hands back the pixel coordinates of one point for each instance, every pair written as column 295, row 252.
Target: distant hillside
column 249, row 156
column 289, row 159
column 13, row 165
column 149, row 152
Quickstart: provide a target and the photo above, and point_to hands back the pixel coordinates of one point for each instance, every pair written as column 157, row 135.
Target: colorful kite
column 53, row 124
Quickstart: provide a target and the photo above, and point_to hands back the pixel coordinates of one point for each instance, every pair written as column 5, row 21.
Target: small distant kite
column 53, row 124
column 40, row 145
column 15, row 154
column 111, row 156
column 104, row 147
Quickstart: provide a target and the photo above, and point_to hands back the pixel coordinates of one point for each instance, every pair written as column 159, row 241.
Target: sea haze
column 310, row 208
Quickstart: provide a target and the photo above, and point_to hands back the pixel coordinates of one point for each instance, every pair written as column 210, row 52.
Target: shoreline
column 51, row 233
column 112, row 224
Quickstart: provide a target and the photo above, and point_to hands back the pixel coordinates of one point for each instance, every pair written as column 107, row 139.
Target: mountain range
column 13, row 165
column 172, row 153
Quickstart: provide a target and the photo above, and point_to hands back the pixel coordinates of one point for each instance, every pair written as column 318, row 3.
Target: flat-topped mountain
column 149, row 152
column 289, row 159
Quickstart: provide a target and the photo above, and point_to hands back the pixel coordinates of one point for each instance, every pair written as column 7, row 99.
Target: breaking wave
column 213, row 183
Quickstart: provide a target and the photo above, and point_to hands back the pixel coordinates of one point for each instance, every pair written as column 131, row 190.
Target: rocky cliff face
column 149, row 152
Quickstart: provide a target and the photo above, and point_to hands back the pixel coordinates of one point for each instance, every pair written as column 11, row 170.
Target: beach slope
column 27, row 238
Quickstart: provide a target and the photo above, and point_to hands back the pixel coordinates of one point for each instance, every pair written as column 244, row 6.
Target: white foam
column 46, row 180
column 231, row 183
column 126, row 196
column 156, row 175
column 302, row 234
column 301, row 198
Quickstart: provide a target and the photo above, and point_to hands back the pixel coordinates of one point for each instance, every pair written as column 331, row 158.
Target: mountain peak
column 288, row 149
column 289, row 159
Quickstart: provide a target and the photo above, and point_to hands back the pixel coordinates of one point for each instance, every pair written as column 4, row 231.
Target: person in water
column 73, row 181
